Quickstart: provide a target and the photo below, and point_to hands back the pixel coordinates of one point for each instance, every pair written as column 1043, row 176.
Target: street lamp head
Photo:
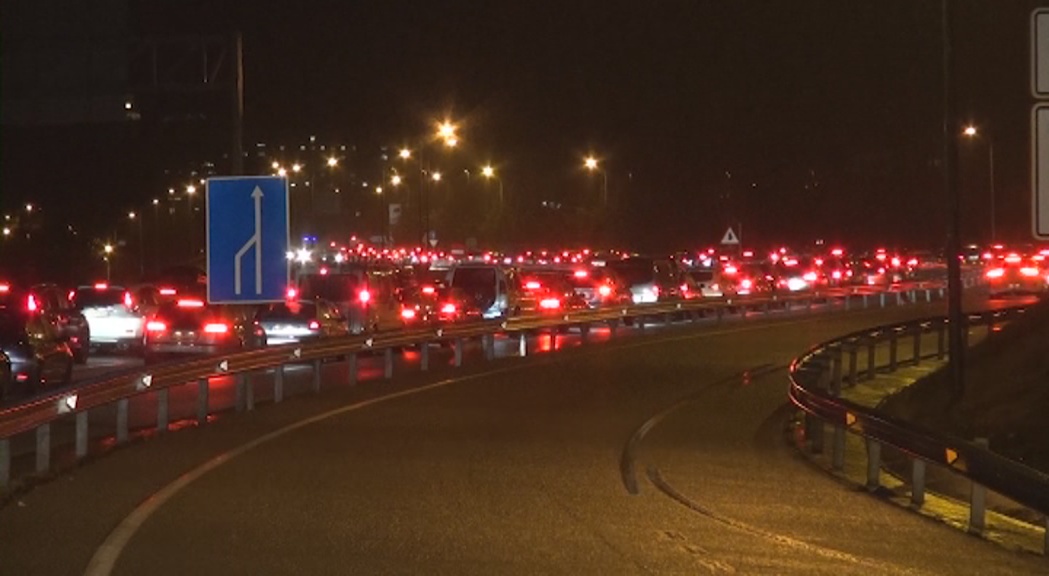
column 332, row 162
column 296, row 167
column 191, row 189
column 436, row 176
column 131, row 215
column 156, row 201
column 970, row 131
column 590, row 162
column 108, row 248
column 282, row 172
column 405, row 153
column 395, row 180
column 29, row 208
column 488, row 171
column 446, row 130
column 275, row 165
column 378, row 189
column 451, row 142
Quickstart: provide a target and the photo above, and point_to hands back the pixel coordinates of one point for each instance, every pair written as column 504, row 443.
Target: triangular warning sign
column 730, row 237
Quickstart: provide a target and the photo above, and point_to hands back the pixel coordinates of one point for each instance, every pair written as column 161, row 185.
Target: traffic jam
column 46, row 329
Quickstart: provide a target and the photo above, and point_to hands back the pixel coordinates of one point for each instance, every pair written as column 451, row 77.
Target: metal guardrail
column 816, row 381
column 38, row 415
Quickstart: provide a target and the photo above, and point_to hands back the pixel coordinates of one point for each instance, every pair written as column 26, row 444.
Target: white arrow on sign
column 297, row 353
column 145, row 382
column 224, row 366
column 254, row 242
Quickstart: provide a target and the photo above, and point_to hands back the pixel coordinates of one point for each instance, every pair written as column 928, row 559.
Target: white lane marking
column 106, row 556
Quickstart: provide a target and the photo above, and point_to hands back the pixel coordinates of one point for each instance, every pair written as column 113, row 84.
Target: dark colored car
column 649, row 279
column 190, row 327
column 54, row 302
column 36, row 352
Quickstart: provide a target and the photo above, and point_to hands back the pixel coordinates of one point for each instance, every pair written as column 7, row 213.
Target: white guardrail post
column 5, row 462
column 873, row 464
column 388, row 369
column 81, row 434
column 278, row 384
column 43, row 448
column 978, row 499
column 162, row 410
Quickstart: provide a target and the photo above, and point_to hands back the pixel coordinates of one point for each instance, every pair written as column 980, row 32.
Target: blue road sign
column 247, row 220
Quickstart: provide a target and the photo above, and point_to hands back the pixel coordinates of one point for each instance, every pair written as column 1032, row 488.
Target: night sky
column 800, row 119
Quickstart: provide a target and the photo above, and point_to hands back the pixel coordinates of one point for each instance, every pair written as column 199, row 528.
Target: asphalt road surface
column 655, row 453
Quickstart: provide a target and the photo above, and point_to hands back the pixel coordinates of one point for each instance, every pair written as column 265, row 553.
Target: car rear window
column 634, row 271
column 288, row 311
column 332, row 287
column 12, row 326
column 472, row 279
column 92, row 298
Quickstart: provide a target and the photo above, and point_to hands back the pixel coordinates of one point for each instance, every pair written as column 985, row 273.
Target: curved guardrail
column 816, row 382
column 38, row 415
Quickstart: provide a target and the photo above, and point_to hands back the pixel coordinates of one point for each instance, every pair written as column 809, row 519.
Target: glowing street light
column 395, row 180
column 451, row 142
column 436, row 176
column 296, row 167
column 489, row 173
column 29, row 208
column 332, row 162
column 191, row 189
column 275, row 165
column 590, row 163
column 972, row 132
column 282, row 172
column 405, row 153
column 446, row 130
column 7, row 231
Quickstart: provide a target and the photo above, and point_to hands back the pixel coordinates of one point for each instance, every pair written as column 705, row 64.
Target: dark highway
column 664, row 452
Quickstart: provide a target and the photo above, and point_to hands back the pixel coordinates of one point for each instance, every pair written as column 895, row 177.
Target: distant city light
column 333, row 161
column 405, row 153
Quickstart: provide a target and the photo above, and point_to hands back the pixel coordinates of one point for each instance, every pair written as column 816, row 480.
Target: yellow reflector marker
column 951, row 455
column 850, row 418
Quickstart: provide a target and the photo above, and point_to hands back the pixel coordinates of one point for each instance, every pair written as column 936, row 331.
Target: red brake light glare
column 127, row 299
column 101, row 286
column 314, row 325
column 31, row 303
column 4, row 288
column 580, row 274
column 1013, row 258
column 168, row 291
column 549, row 303
column 809, row 277
column 71, row 296
column 995, row 273
column 731, row 270
column 292, row 294
column 448, row 308
column 746, row 284
column 364, row 296
column 156, row 326
column 216, row 328
column 604, row 290
column 1029, row 271
column 428, row 290
column 190, row 303
column 532, row 285
column 408, row 313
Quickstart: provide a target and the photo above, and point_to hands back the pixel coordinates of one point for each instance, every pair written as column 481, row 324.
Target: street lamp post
column 107, row 253
column 135, row 219
column 972, row 132
column 191, row 190
column 434, row 179
column 591, row 164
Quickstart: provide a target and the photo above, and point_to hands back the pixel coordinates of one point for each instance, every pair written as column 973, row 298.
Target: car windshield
column 97, row 297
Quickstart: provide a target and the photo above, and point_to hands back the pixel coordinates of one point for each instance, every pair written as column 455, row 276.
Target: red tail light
column 684, row 288
column 809, row 277
column 580, row 274
column 746, row 284
column 1029, row 271
column 730, row 270
column 168, row 291
column 314, row 325
column 604, row 290
column 448, row 308
column 836, row 274
column 31, row 304
column 364, row 296
column 549, row 303
column 185, row 303
column 408, row 313
column 291, row 294
column 156, row 326
column 5, row 288
column 533, row 285
column 71, row 296
column 995, row 273
column 127, row 299
column 101, row 286
column 216, row 328
column 429, row 290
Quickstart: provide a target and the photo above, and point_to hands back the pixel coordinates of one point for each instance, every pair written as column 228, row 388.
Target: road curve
column 661, row 453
